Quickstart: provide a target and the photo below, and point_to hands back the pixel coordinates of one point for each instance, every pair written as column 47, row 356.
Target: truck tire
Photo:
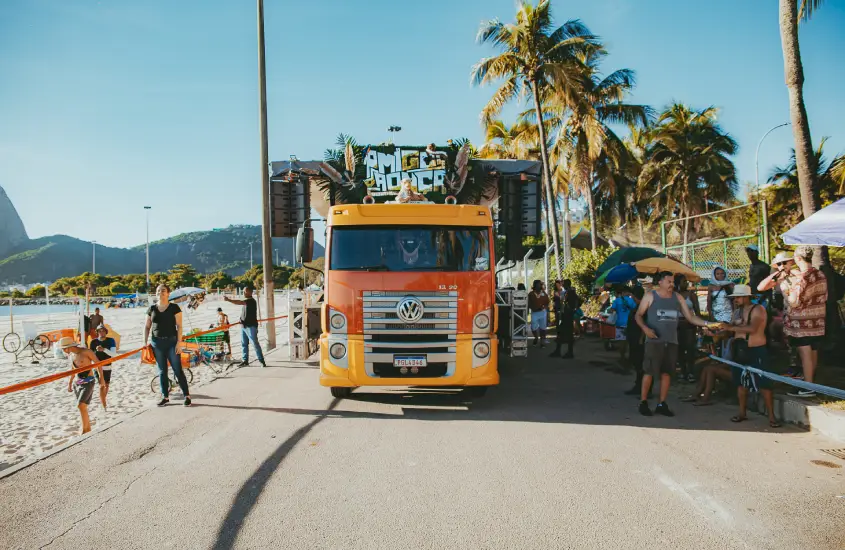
column 341, row 393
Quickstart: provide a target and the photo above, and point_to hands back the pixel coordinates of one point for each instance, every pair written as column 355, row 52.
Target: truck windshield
column 409, row 248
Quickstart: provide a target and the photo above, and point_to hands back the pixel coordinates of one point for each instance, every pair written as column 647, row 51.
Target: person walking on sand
column 249, row 326
column 96, row 320
column 663, row 307
column 82, row 385
column 223, row 321
column 164, row 324
column 104, row 348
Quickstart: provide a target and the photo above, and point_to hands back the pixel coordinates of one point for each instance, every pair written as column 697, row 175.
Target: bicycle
column 155, row 387
column 38, row 344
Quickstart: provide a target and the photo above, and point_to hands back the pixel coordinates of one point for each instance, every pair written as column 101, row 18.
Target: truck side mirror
column 304, row 245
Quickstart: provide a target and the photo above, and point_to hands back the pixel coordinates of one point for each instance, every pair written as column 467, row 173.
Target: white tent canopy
column 825, row 227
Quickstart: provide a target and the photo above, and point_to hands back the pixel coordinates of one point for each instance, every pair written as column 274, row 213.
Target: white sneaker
column 802, row 393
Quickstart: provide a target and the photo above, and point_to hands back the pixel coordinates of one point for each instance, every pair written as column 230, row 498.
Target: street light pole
column 757, row 155
column 266, row 236
column 147, row 211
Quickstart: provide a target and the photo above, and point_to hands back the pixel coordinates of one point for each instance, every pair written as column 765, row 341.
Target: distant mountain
column 49, row 258
column 12, row 230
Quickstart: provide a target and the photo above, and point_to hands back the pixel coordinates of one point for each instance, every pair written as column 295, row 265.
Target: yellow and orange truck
column 409, row 297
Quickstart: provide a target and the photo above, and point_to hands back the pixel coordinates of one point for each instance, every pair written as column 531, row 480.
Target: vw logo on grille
column 410, row 310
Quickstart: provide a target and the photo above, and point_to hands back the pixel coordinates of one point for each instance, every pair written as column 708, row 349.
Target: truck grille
column 434, row 336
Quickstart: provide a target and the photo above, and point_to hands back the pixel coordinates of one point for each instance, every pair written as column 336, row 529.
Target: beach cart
column 607, row 331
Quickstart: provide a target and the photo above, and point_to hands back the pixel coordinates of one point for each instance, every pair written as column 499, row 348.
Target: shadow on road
column 252, row 488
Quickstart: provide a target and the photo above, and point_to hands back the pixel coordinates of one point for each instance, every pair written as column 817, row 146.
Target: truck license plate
column 409, row 361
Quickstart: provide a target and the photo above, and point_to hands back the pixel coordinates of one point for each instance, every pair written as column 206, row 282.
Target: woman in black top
column 164, row 320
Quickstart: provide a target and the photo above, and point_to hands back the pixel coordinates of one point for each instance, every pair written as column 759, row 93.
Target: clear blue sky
column 107, row 106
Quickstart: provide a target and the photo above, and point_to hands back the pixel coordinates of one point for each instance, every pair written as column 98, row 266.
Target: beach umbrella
column 184, row 292
column 622, row 273
column 653, row 265
column 825, row 227
column 628, row 255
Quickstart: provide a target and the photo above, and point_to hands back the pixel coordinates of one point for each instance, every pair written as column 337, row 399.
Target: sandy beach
column 36, row 420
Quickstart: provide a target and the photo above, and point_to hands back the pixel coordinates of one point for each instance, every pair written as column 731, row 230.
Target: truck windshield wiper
column 380, row 267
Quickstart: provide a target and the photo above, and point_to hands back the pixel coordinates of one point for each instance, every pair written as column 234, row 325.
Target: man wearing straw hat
column 82, row 385
column 749, row 328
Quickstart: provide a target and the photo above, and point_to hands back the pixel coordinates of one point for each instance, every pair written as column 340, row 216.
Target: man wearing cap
column 757, row 272
column 82, row 385
column 223, row 321
column 104, row 348
column 749, row 328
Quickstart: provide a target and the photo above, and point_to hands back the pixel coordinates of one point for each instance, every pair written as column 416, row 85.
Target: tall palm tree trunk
column 623, row 216
column 686, row 233
column 591, row 204
column 551, row 211
column 794, row 75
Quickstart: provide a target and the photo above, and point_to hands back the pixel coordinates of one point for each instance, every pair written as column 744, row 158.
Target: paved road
column 555, row 457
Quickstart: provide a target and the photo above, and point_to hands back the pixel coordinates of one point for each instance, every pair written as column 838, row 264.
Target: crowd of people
column 661, row 332
column 163, row 337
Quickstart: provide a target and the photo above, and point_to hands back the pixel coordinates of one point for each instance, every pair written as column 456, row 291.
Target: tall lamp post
column 147, row 211
column 757, row 155
column 393, row 130
column 266, row 236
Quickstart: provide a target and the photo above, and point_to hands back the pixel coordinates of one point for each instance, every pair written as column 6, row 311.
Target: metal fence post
column 725, row 249
column 663, row 235
column 525, row 264
column 546, row 265
column 765, row 228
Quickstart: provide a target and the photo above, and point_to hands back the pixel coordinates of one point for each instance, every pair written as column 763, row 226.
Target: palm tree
column 506, row 142
column 687, row 164
column 581, row 122
column 534, row 57
column 785, row 185
column 790, row 12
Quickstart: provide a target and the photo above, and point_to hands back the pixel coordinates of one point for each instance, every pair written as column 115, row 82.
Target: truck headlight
column 337, row 320
column 482, row 321
column 337, row 350
column 481, row 350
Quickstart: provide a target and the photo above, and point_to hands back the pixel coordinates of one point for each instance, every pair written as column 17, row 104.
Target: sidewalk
column 808, row 414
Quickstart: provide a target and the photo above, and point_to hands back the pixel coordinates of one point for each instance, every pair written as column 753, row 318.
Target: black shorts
column 226, row 337
column 106, row 375
column 759, row 359
column 83, row 392
column 814, row 342
column 660, row 358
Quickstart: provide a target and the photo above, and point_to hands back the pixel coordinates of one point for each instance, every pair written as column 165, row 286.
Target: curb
column 11, row 470
column 810, row 416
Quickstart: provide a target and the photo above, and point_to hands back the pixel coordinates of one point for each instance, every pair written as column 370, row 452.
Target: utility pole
column 147, row 211
column 266, row 238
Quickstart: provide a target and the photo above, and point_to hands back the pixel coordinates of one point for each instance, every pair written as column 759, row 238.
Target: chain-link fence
column 727, row 253
column 738, row 227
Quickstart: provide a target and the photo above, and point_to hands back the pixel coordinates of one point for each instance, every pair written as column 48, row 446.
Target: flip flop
column 739, row 418
column 702, row 403
column 775, row 424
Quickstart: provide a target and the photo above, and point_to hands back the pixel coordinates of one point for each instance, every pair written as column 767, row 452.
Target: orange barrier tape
column 59, row 375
